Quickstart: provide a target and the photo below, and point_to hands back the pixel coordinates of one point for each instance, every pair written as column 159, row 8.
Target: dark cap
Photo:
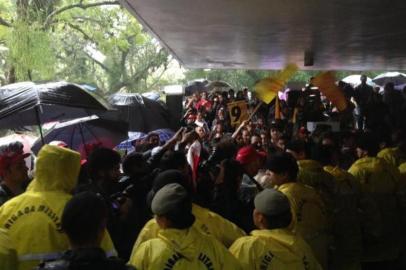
column 169, row 177
column 172, row 198
column 271, row 202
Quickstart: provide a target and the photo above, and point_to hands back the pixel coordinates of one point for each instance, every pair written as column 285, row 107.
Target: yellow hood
column 309, row 164
column 311, row 173
column 183, row 242
column 402, row 168
column 283, row 240
column 56, row 169
column 370, row 163
column 274, row 249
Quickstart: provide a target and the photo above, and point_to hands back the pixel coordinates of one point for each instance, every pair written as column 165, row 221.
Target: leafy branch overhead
column 94, row 42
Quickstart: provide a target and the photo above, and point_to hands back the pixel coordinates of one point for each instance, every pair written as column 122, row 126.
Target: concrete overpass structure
column 267, row 34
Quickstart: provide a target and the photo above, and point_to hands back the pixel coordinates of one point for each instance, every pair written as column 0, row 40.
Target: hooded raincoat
column 206, row 221
column 347, row 246
column 393, row 156
column 8, row 255
column 402, row 206
column 311, row 173
column 274, row 249
column 402, row 168
column 183, row 249
column 309, row 218
column 33, row 219
column 380, row 210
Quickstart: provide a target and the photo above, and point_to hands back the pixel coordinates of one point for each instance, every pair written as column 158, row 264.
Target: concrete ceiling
column 267, row 34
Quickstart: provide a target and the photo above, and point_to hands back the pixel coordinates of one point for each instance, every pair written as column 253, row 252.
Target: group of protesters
column 265, row 193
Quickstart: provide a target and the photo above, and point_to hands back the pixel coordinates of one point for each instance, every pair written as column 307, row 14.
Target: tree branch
column 141, row 73
column 157, row 79
column 103, row 66
column 78, row 5
column 4, row 22
column 86, row 36
column 81, row 19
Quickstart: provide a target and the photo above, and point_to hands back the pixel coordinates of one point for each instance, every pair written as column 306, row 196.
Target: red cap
column 303, row 130
column 248, row 154
column 9, row 158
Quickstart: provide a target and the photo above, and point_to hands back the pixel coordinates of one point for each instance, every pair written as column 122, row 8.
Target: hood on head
column 310, row 164
column 56, row 169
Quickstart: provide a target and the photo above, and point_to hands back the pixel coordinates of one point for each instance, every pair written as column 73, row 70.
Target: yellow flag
column 267, row 89
column 326, row 83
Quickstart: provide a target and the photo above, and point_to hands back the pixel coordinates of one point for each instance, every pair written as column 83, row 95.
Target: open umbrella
column 395, row 77
column 195, row 87
column 217, row 85
column 82, row 132
column 27, row 103
column 153, row 95
column 142, row 114
column 164, row 135
column 355, row 80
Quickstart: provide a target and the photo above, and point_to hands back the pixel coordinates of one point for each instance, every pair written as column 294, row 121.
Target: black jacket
column 85, row 259
column 5, row 194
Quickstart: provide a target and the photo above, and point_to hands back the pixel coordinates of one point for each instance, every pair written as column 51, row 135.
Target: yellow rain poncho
column 274, row 249
column 402, row 168
column 311, row 173
column 393, row 156
column 206, row 221
column 33, row 219
column 402, row 204
column 309, row 218
column 8, row 255
column 346, row 228
column 182, row 249
column 380, row 212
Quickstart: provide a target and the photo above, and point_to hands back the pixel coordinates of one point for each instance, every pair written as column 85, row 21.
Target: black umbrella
column 142, row 114
column 195, row 87
column 27, row 103
column 217, row 85
column 82, row 132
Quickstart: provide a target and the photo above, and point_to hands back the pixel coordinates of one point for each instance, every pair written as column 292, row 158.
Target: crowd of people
column 265, row 193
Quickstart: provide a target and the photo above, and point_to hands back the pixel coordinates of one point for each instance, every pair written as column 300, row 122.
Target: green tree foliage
column 87, row 41
column 247, row 78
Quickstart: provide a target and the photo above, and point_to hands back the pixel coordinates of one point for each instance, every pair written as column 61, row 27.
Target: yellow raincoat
column 346, row 228
column 182, row 249
column 309, row 218
column 33, row 219
column 206, row 221
column 402, row 168
column 311, row 173
column 380, row 212
column 8, row 255
column 274, row 249
column 402, row 206
column 393, row 156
